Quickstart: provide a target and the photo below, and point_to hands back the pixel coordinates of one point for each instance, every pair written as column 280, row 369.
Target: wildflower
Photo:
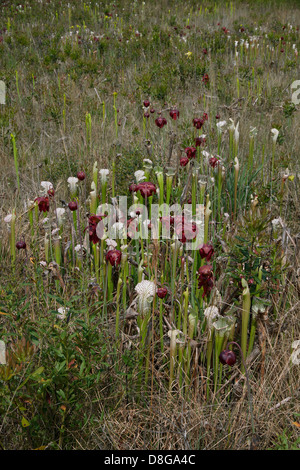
column 275, row 133
column 160, row 122
column 190, row 152
column 146, row 291
column 103, row 175
column 81, row 175
column 174, row 113
column 205, row 78
column 198, row 123
column 62, row 313
column 21, row 245
column 200, row 140
column 189, row 54
column 72, row 181
column 184, row 161
column 114, row 257
column 46, row 185
column 60, row 212
column 139, row 176
column 132, row 187
column 93, row 222
column 227, row 357
column 213, row 161
column 73, row 206
column 162, row 292
column 43, row 203
column 205, row 279
column 146, row 189
column 220, row 126
column 184, row 229
column 146, row 103
column 206, row 251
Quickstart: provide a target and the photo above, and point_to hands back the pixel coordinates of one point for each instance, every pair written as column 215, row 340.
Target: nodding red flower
column 184, row 161
column 152, row 110
column 132, row 187
column 146, row 115
column 213, row 161
column 184, row 229
column 21, row 245
column 205, row 279
column 200, row 141
column 174, row 113
column 51, row 192
column 162, row 292
column 146, row 103
column 205, row 78
column 206, row 251
column 205, row 117
column 198, row 123
column 227, row 357
column 146, row 189
column 73, row 206
column 114, row 257
column 242, row 29
column 93, row 222
column 160, row 122
column 43, row 203
column 81, row 175
column 204, row 51
column 132, row 226
column 190, row 152
column 217, row 116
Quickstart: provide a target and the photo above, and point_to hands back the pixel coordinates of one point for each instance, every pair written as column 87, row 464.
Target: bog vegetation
column 133, row 342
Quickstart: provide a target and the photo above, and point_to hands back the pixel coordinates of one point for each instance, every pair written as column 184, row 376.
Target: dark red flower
column 146, row 115
column 93, row 222
column 204, row 51
column 51, row 192
column 21, row 245
column 73, row 206
column 81, row 175
column 198, row 123
column 213, row 161
column 43, row 203
column 205, row 78
column 205, row 279
column 152, row 110
column 206, row 251
column 114, row 257
column 132, row 187
column 146, row 189
column 146, row 103
column 227, row 357
column 205, row 117
column 200, row 141
column 160, row 122
column 217, row 116
column 190, row 152
column 162, row 292
column 174, row 113
column 184, row 229
column 184, row 161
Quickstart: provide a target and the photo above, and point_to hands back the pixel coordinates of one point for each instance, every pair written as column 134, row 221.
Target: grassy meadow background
column 77, row 74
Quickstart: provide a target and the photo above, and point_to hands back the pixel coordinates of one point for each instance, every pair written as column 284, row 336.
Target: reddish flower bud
column 146, row 103
column 162, row 292
column 81, row 175
column 213, row 161
column 227, row 357
column 73, row 206
column 51, row 192
column 21, row 245
column 132, row 187
column 205, row 279
column 198, row 123
column 200, row 141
